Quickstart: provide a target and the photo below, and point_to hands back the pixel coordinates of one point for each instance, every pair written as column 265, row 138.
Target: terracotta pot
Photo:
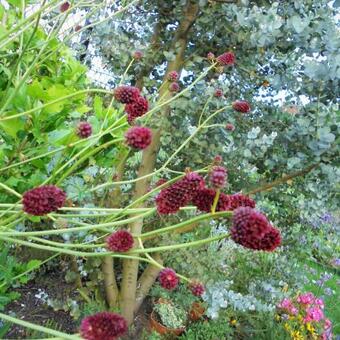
column 196, row 311
column 161, row 329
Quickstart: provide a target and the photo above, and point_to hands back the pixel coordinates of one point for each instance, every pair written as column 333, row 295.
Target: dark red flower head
column 197, row 288
column 126, row 94
column 218, row 93
column 218, row 176
column 138, row 55
column 270, row 241
column 241, row 106
column 84, row 130
column 204, row 200
column 227, row 58
column 138, row 137
column 43, row 200
column 168, row 279
column 120, row 241
column 249, row 220
column 173, row 76
column 174, row 87
column 252, row 230
column 77, row 28
column 65, row 6
column 210, row 56
column 230, row 127
column 179, row 194
column 239, row 200
column 103, row 326
column 137, row 109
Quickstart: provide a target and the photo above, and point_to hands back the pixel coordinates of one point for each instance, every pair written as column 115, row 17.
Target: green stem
column 67, row 245
column 179, row 246
column 55, row 101
column 13, row 192
column 98, row 135
column 85, row 157
column 183, row 224
column 38, row 328
column 216, row 198
column 188, row 88
column 204, row 108
column 73, row 252
column 77, row 229
column 126, row 71
column 28, row 71
column 30, row 22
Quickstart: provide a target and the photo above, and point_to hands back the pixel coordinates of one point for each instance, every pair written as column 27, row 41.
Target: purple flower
column 327, row 217
column 326, row 276
column 319, row 283
column 328, row 291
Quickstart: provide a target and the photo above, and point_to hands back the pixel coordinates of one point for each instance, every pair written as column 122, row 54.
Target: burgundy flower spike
column 120, row 241
column 43, row 200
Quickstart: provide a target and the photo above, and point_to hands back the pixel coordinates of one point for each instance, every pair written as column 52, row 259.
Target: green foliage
column 287, row 67
column 12, row 274
column 209, row 330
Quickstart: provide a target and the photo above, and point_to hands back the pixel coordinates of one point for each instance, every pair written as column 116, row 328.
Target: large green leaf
column 12, row 126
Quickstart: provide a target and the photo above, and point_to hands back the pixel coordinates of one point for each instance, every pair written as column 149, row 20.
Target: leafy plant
column 208, row 330
column 281, row 148
column 12, row 274
column 170, row 315
column 179, row 297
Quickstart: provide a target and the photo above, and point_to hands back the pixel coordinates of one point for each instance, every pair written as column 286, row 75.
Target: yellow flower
column 296, row 335
column 287, row 326
column 310, row 328
column 233, row 321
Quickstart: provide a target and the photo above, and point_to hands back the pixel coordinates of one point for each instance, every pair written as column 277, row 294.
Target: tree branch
column 146, row 281
column 282, row 180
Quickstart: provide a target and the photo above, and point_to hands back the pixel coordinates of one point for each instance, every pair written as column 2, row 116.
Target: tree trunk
column 110, row 283
column 130, row 267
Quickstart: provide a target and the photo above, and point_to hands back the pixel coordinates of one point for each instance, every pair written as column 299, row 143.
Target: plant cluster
column 303, row 317
column 77, row 163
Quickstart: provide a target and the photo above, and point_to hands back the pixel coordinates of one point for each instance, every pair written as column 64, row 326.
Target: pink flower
column 293, row 311
column 314, row 314
column 285, row 303
column 306, row 299
column 328, row 324
column 288, row 306
column 319, row 302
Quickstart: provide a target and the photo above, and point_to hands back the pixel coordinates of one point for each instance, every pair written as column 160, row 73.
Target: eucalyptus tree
column 287, row 67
